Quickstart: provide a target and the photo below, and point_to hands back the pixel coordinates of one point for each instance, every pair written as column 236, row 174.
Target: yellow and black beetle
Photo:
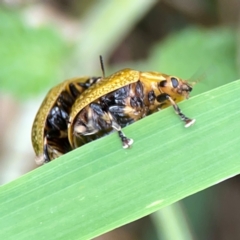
column 80, row 110
column 121, row 99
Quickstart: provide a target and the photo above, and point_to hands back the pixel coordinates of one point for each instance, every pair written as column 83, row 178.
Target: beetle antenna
column 102, row 66
column 202, row 74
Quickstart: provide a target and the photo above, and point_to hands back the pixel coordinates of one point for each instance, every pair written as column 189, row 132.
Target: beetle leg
column 52, row 149
column 55, row 133
column 126, row 142
column 188, row 121
column 86, row 127
column 108, row 117
column 45, row 151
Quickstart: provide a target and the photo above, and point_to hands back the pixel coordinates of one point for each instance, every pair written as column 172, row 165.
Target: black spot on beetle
column 151, row 97
column 163, row 83
column 162, row 97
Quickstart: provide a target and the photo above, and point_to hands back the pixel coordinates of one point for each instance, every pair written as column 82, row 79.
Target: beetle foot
column 189, row 122
column 127, row 142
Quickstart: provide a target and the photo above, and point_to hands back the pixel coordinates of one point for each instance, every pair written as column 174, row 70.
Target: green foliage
column 197, row 53
column 30, row 57
column 101, row 186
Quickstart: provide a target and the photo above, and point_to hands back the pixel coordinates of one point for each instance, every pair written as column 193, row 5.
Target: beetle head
column 175, row 87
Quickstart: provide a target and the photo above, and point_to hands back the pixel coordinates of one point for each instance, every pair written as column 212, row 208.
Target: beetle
column 121, row 99
column 80, row 110
column 49, row 130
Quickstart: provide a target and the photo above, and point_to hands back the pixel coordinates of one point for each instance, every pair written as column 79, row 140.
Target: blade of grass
column 101, row 186
column 171, row 223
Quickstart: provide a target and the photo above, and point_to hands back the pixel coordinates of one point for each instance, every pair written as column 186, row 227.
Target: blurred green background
column 44, row 42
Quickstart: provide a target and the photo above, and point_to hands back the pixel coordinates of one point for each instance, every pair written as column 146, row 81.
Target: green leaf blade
column 101, row 186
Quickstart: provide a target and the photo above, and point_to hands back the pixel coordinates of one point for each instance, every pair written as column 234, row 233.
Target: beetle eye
column 174, row 82
column 163, row 83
